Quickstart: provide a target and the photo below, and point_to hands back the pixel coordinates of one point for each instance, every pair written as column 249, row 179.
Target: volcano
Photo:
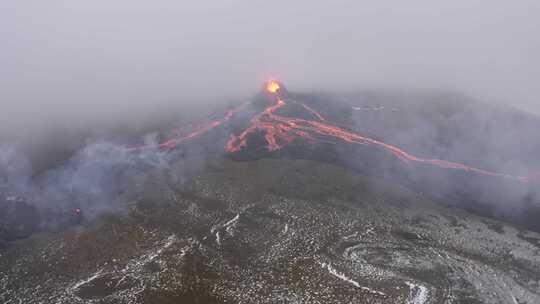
column 278, row 123
column 284, row 120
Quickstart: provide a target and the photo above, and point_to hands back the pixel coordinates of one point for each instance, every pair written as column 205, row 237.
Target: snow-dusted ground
column 418, row 294
column 239, row 244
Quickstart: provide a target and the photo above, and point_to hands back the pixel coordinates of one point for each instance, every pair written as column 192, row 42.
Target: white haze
column 93, row 61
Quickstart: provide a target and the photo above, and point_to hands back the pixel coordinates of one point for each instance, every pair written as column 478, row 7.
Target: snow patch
column 218, row 238
column 132, row 268
column 87, row 280
column 343, row 277
column 230, row 225
column 376, row 108
column 170, row 240
column 418, row 293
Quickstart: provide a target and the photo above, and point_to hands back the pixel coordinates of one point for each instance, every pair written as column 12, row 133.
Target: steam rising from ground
column 92, row 179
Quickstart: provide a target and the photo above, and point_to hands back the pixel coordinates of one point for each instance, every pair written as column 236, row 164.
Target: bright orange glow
column 272, row 86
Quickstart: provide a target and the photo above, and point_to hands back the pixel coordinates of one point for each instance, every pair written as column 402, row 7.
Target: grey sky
column 95, row 59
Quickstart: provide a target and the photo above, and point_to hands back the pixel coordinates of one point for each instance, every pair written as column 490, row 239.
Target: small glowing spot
column 272, row 86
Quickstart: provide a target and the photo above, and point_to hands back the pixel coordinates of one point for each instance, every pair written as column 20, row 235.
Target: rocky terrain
column 215, row 230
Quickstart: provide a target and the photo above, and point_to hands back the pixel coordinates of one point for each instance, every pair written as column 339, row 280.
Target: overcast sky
column 88, row 59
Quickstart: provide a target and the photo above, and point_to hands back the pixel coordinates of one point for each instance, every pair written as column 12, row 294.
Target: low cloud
column 71, row 63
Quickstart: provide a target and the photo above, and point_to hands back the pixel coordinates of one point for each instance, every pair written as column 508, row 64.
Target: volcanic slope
column 275, row 231
column 282, row 124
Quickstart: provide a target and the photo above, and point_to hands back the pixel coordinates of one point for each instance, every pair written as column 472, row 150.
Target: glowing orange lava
column 315, row 113
column 272, row 86
column 194, row 133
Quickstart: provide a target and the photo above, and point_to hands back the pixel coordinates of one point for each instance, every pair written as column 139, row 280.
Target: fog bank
column 95, row 61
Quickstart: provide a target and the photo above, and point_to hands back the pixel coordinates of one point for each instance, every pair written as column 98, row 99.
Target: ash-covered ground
column 274, row 231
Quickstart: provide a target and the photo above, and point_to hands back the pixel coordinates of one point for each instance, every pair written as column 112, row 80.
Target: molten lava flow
column 281, row 130
column 195, row 133
column 262, row 123
column 315, row 113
